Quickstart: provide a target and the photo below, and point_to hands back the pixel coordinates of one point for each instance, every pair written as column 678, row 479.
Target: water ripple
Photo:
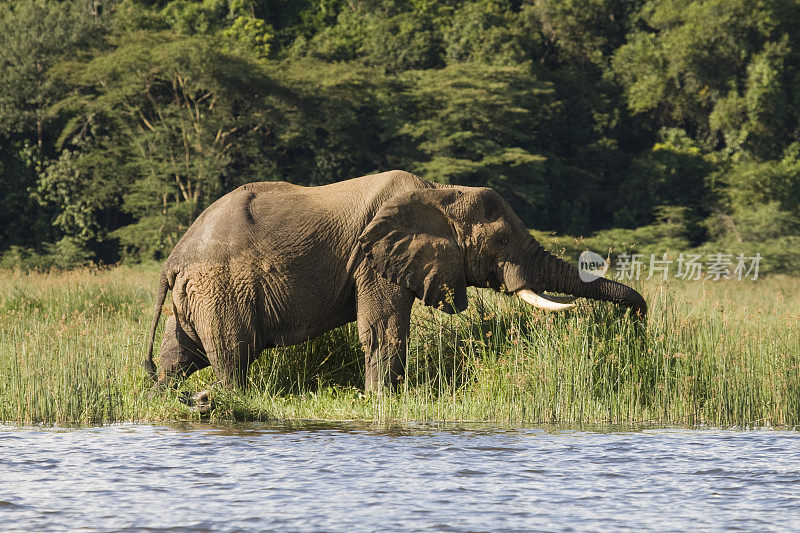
column 343, row 477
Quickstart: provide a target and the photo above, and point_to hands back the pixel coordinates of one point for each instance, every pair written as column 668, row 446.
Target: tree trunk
column 39, row 133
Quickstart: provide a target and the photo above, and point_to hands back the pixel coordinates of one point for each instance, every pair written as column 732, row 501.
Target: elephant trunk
column 559, row 276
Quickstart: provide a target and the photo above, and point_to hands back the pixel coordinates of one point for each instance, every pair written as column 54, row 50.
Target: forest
column 666, row 124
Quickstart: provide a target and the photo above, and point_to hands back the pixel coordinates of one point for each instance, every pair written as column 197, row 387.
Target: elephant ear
column 412, row 242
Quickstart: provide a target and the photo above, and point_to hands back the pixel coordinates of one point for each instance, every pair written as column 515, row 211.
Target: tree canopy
column 120, row 120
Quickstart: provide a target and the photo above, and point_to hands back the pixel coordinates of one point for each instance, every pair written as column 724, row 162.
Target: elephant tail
column 148, row 364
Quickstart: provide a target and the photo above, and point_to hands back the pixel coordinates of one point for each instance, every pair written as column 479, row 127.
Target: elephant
column 273, row 264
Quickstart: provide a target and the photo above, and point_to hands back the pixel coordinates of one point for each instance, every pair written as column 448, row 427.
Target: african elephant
column 272, row 264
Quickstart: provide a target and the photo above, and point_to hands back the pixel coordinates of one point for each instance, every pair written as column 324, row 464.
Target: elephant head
column 437, row 241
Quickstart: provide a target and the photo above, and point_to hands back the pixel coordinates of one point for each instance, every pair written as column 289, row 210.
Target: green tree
column 673, row 173
column 714, row 66
column 489, row 32
column 338, row 123
column 173, row 112
column 401, row 42
column 38, row 34
column 23, row 221
column 475, row 124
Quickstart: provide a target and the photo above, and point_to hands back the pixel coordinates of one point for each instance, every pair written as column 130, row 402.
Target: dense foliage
column 120, row 120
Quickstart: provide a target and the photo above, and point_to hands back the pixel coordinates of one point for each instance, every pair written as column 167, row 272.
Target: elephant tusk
column 546, row 302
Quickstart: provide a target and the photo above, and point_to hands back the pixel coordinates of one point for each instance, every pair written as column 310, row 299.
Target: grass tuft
column 716, row 353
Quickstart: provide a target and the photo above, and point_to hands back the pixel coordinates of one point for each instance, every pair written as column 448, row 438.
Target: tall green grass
column 718, row 353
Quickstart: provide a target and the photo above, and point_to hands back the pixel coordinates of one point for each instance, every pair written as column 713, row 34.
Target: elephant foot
column 201, row 402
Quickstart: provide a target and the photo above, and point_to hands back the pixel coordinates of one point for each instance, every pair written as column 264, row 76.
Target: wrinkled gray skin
column 272, row 264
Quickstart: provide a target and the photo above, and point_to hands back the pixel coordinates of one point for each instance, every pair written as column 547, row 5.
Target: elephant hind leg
column 230, row 360
column 230, row 351
column 224, row 308
column 180, row 354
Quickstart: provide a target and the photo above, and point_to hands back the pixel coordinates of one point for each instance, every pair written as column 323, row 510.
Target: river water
column 351, row 477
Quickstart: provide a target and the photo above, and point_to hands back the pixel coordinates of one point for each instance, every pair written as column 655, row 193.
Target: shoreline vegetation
column 718, row 353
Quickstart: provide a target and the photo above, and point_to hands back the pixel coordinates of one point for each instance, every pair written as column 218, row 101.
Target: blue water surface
column 351, row 477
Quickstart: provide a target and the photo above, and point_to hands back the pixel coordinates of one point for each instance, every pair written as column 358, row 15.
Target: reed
column 718, row 353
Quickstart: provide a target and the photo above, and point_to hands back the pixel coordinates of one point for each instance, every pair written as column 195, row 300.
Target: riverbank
column 721, row 353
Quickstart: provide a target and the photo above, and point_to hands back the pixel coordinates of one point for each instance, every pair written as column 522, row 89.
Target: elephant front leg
column 383, row 317
column 384, row 356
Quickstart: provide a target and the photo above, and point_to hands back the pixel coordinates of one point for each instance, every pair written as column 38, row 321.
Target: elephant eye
column 503, row 240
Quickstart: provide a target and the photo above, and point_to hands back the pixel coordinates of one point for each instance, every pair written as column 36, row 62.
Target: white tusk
column 546, row 302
